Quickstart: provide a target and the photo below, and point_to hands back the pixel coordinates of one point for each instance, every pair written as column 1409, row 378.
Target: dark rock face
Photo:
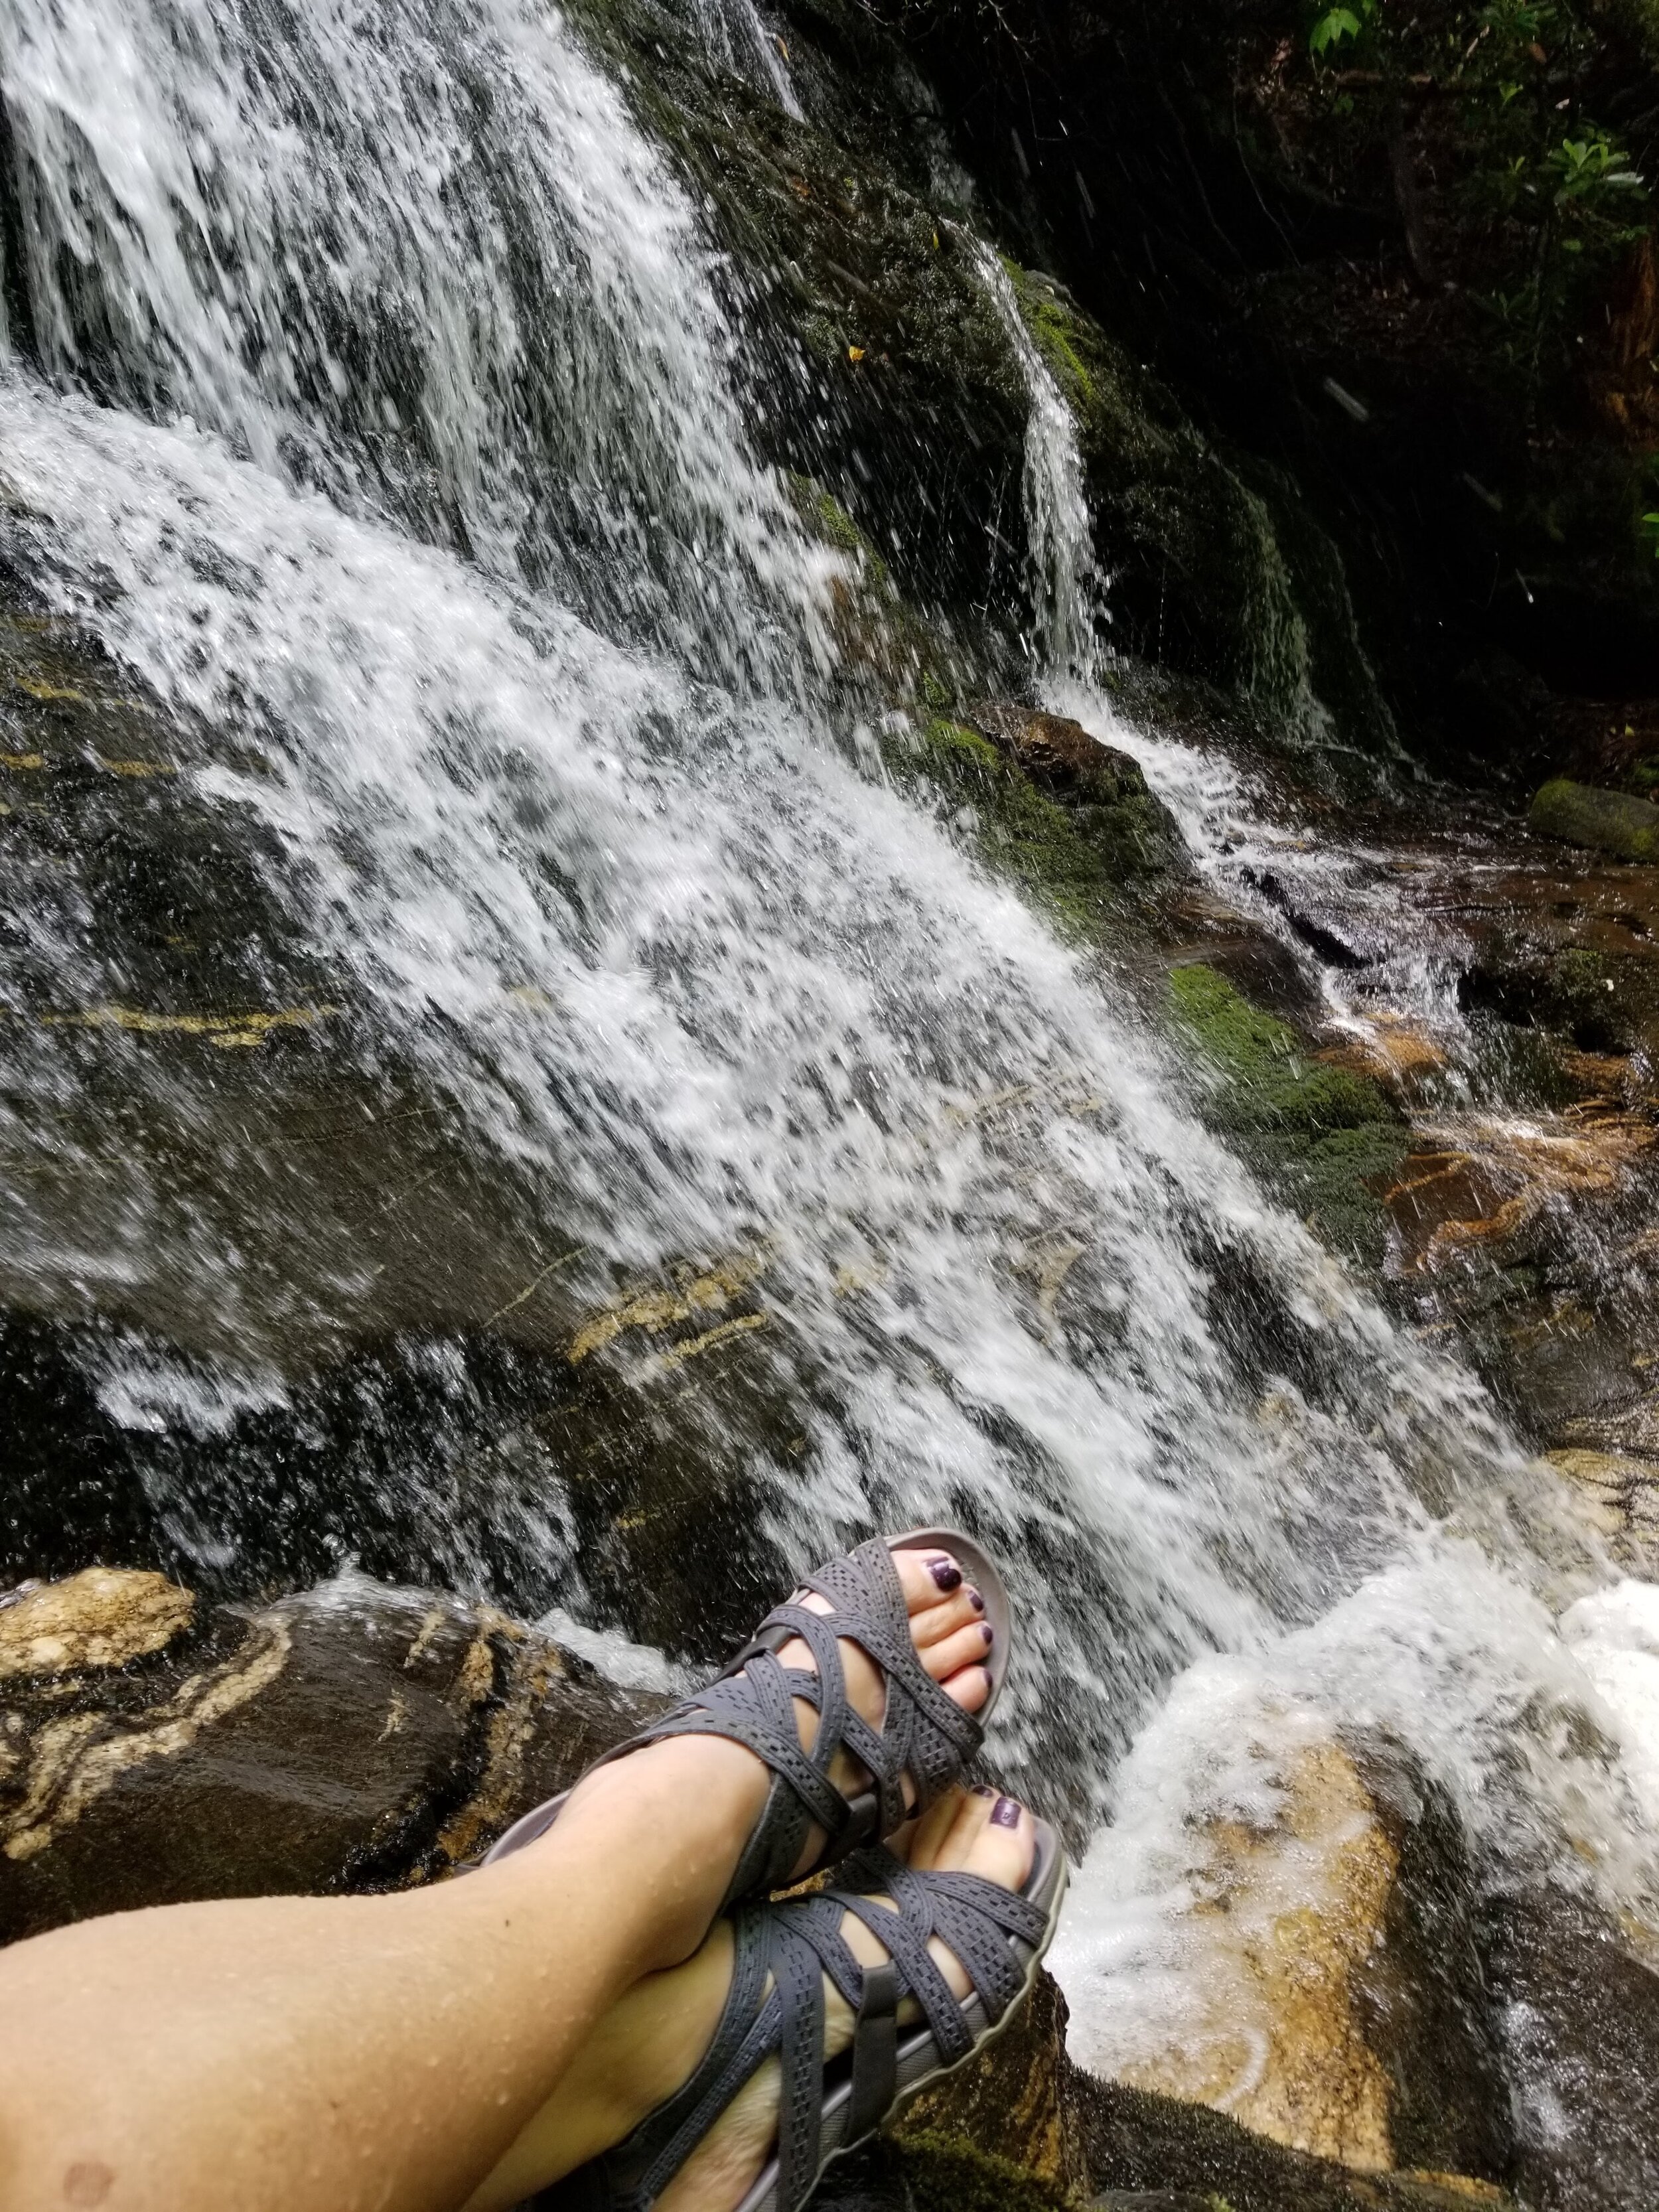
column 1580, row 2020
column 1312, row 249
column 353, row 1737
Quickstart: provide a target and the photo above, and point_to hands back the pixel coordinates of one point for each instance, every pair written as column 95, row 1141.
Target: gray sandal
column 923, row 1733
column 1000, row 1935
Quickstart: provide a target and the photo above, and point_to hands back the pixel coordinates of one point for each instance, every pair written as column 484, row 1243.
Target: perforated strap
column 923, row 1735
column 792, row 1946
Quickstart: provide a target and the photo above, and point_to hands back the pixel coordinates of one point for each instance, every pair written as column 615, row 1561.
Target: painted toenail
column 1004, row 1814
column 983, row 1790
column 946, row 1573
column 975, row 1600
column 987, row 1632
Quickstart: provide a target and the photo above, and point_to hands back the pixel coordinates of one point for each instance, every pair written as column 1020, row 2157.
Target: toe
column 968, row 1687
column 933, row 1623
column 967, row 1647
column 987, row 1833
column 926, row 1577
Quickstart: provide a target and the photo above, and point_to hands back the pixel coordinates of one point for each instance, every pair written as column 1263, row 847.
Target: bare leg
column 324, row 2055
column 650, row 2041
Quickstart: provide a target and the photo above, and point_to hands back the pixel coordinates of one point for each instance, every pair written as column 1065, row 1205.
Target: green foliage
column 1588, row 168
column 1341, row 23
column 1333, row 27
column 1546, row 191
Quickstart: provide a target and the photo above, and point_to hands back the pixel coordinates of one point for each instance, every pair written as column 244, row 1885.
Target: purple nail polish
column 988, row 1633
column 983, row 1790
column 1004, row 1814
column 946, row 1573
column 975, row 1600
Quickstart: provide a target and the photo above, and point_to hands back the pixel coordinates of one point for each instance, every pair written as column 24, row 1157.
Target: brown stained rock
column 103, row 1617
column 1291, row 1916
column 1619, row 1497
column 1481, row 1179
column 1058, row 754
column 1332, row 2004
column 1393, row 1050
column 1151, row 2153
column 353, row 1737
column 1104, row 789
column 1013, row 2102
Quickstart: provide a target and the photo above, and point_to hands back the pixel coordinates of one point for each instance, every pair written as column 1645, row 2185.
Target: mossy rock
column 1605, row 821
column 1076, row 878
column 1216, row 569
column 1324, row 1139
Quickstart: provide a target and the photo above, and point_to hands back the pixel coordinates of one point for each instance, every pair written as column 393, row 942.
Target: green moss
column 1323, row 1138
column 1058, row 334
column 1021, row 833
column 945, row 2174
column 1269, row 1082
column 829, row 521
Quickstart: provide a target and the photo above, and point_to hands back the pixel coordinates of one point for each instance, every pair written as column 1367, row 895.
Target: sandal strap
column 923, row 1734
column 775, row 2009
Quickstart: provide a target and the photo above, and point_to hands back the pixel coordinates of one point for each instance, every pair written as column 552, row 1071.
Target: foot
column 708, row 1791
column 654, row 2038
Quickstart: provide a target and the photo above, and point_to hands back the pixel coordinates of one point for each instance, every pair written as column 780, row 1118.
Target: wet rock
column 1013, row 2104
column 1329, row 1140
column 1341, row 2009
column 1145, row 2149
column 1620, row 1496
column 1103, row 789
column 1580, row 2020
column 103, row 1617
column 353, row 1737
column 1048, row 849
column 1606, row 820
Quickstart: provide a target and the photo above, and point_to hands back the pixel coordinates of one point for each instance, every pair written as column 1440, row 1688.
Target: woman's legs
column 323, row 2055
column 649, row 2042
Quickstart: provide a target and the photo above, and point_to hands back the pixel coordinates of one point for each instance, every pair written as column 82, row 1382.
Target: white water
column 416, row 462
column 1452, row 1649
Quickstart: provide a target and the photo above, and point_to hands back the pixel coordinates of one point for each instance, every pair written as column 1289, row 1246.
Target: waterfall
column 1395, row 1652
column 382, row 419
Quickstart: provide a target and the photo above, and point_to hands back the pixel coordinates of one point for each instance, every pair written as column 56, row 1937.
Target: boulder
column 1104, row 789
column 1580, row 2013
column 1342, row 2014
column 103, row 1617
column 353, row 1737
column 1605, row 821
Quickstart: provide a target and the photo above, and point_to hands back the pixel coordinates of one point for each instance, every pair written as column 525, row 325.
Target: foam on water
column 408, row 451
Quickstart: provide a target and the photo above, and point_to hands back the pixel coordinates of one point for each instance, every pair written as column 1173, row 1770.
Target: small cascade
column 1393, row 1659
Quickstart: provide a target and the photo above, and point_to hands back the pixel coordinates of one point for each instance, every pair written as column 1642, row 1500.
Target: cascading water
column 1395, row 1653
column 388, row 432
